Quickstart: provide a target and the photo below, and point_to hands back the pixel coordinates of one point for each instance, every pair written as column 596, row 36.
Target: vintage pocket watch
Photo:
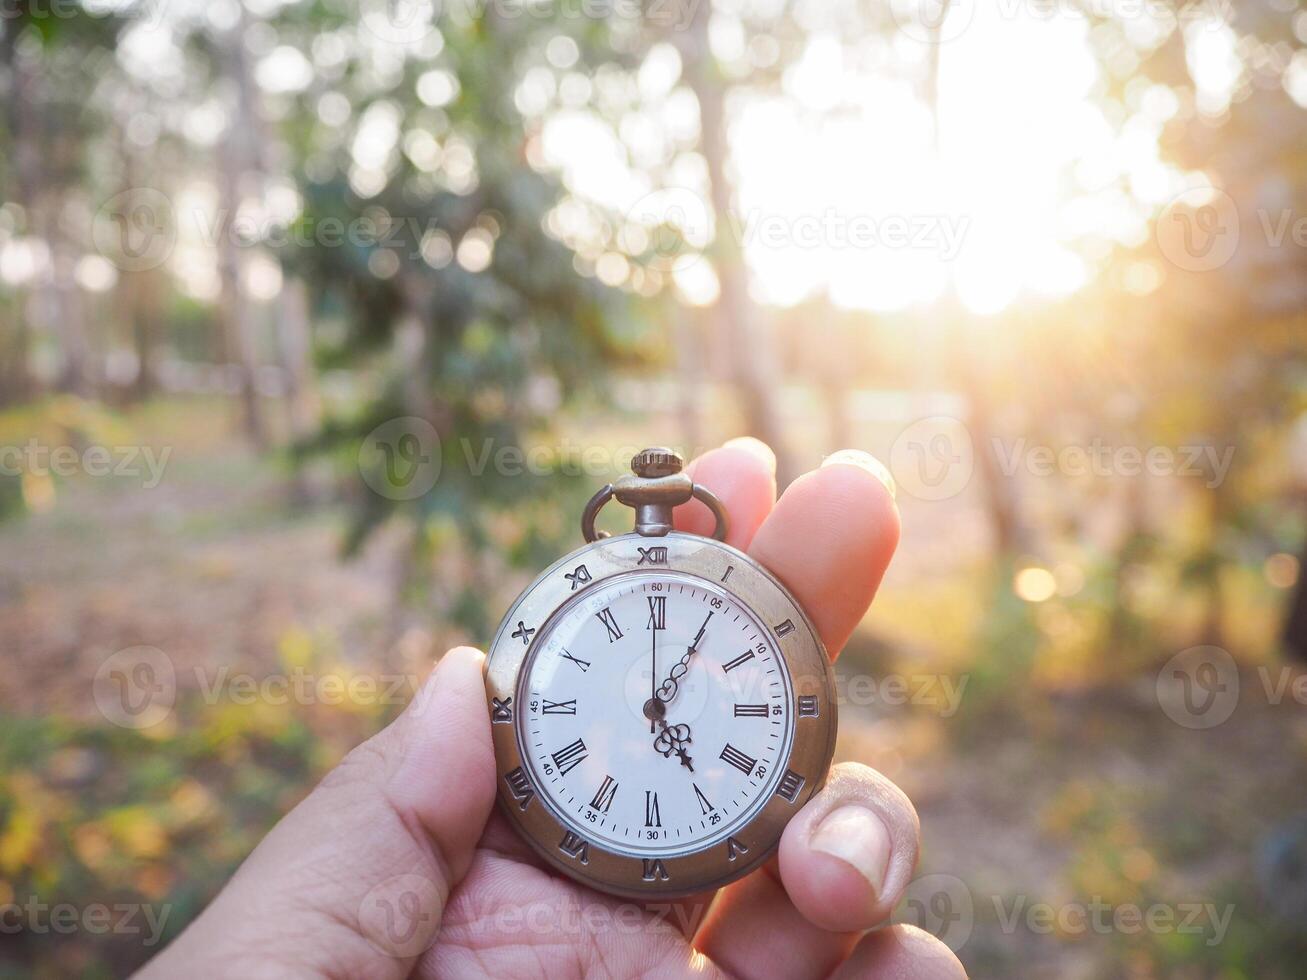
column 661, row 706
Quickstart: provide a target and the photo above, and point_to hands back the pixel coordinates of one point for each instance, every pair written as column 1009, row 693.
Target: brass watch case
column 812, row 713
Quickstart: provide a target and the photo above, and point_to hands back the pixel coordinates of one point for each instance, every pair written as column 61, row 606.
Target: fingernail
column 755, row 446
column 868, row 462
column 856, row 835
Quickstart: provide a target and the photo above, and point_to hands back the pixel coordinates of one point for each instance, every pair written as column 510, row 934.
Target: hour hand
column 668, row 689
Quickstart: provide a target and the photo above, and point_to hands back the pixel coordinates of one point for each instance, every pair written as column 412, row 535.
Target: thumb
column 440, row 759
column 354, row 881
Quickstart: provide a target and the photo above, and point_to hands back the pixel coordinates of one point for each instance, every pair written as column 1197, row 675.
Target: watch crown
column 656, row 461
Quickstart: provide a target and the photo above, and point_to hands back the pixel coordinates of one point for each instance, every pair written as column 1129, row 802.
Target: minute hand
column 669, row 687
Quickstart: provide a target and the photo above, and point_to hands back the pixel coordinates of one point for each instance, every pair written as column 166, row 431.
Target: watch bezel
column 812, row 743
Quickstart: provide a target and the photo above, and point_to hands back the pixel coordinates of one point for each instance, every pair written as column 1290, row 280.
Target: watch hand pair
column 672, row 738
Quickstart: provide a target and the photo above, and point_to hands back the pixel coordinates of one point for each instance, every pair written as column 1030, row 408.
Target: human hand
column 396, row 864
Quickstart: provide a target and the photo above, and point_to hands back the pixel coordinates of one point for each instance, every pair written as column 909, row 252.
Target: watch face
column 661, row 708
column 656, row 713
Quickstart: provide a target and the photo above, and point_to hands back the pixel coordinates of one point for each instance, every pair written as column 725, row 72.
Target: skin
column 407, row 821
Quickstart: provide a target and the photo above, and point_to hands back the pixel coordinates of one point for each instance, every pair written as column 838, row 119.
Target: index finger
column 829, row 540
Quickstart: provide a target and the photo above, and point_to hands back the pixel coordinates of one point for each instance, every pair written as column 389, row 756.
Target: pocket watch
column 661, row 705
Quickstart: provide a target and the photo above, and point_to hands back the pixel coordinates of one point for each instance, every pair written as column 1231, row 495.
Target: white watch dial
column 689, row 653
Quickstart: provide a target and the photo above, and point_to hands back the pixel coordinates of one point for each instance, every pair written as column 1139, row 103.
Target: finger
column 442, row 761
column 902, row 953
column 742, row 474
column 829, row 539
column 391, row 829
column 848, row 855
column 753, row 930
column 845, row 860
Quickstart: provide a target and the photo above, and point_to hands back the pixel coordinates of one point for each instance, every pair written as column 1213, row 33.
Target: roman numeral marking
column 519, row 784
column 605, row 616
column 603, row 799
column 575, row 846
column 579, row 577
column 729, row 569
column 523, row 633
column 750, row 711
column 652, row 556
column 738, row 759
column 783, row 628
column 808, row 706
column 746, row 655
column 583, row 664
column 704, row 806
column 501, row 712
column 734, row 848
column 790, row 785
column 655, row 870
column 569, row 757
column 657, row 612
column 652, row 818
column 559, row 707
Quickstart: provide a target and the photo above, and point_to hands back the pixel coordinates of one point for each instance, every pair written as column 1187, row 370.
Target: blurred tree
column 446, row 290
column 47, row 64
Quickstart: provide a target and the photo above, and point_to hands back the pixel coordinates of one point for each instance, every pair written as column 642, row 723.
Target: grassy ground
column 1048, row 808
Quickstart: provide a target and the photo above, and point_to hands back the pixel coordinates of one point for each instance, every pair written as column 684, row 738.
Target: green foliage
column 485, row 354
column 90, row 813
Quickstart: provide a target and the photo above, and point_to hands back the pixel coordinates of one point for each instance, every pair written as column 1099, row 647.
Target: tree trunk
column 689, row 374
column 753, row 358
column 295, row 350
column 238, row 163
column 36, row 168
